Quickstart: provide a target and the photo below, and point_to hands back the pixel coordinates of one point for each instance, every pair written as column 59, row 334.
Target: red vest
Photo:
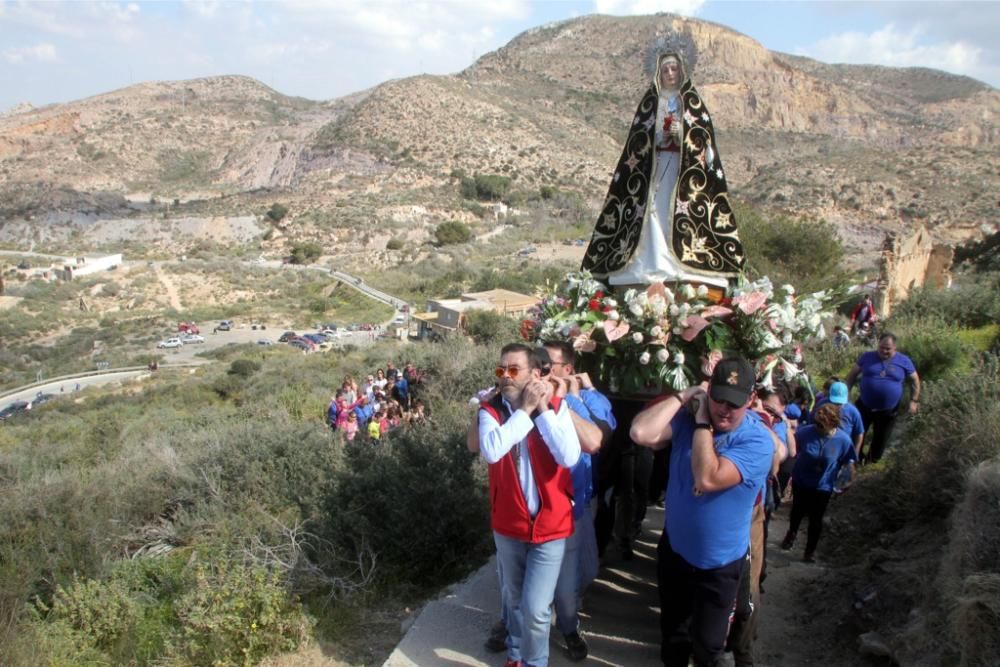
column 508, row 508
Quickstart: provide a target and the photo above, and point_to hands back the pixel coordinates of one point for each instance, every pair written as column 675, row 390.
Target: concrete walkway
column 619, row 619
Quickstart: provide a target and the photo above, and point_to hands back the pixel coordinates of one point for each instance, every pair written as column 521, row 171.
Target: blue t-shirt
column 591, row 406
column 882, row 380
column 713, row 529
column 850, row 419
column 820, row 457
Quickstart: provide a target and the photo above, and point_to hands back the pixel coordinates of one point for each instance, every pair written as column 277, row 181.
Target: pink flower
column 693, row 326
column 615, row 330
column 709, row 362
column 750, row 303
column 657, row 289
column 716, row 311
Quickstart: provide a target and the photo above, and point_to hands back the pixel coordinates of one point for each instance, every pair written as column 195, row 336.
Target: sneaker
column 576, row 646
column 497, row 641
column 788, row 542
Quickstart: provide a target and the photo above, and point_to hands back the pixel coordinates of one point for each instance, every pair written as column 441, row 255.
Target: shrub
column 306, row 253
column 936, row 351
column 486, row 327
column 394, row 244
column 485, row 186
column 548, row 191
column 982, row 254
column 805, row 253
column 975, row 304
column 452, row 232
column 243, row 367
column 415, row 502
column 277, row 212
column 236, row 615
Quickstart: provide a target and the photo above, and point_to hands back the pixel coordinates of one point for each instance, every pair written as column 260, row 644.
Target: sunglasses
column 512, row 371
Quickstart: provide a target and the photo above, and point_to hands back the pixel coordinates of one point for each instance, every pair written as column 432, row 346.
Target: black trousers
column 881, row 422
column 624, row 472
column 696, row 607
column 811, row 503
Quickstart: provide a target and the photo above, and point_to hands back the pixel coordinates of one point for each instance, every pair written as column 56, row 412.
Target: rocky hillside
column 870, row 148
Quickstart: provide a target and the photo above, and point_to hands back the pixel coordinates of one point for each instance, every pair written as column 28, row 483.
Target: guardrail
column 107, row 371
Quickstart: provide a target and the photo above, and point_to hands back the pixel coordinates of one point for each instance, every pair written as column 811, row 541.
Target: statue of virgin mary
column 667, row 216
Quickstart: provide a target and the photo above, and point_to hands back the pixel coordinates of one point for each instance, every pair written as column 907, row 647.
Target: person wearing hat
column 823, row 450
column 720, row 457
column 850, row 417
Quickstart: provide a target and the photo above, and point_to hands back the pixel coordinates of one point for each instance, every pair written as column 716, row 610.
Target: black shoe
column 626, row 551
column 576, row 646
column 497, row 641
column 788, row 542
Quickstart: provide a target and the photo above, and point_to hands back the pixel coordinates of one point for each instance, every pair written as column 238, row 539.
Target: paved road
column 66, row 387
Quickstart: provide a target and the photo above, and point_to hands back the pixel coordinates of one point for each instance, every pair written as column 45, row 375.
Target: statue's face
column 670, row 72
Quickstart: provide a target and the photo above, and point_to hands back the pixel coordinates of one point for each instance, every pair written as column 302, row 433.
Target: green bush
column 936, row 351
column 974, row 304
column 394, row 244
column 414, row 500
column 485, row 186
column 277, row 212
column 235, row 616
column 982, row 254
column 452, row 232
column 805, row 253
column 488, row 327
column 306, row 253
column 243, row 367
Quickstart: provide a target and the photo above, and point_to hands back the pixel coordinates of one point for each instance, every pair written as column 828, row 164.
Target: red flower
column 594, row 304
column 599, row 294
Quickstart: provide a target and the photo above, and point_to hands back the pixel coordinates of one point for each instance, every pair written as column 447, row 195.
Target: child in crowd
column 350, row 426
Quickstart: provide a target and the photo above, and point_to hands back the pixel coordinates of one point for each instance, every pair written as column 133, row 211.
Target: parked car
column 170, row 343
column 187, row 339
column 264, row 341
column 188, row 327
column 15, row 408
column 225, row 325
column 41, row 399
column 287, row 336
column 301, row 345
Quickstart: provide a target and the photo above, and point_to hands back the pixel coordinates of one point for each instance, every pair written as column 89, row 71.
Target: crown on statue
column 679, row 43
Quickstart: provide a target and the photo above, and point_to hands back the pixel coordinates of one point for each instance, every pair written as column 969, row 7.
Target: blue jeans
column 529, row 572
column 579, row 569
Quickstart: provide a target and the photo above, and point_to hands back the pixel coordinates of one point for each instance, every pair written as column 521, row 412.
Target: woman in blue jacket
column 823, row 451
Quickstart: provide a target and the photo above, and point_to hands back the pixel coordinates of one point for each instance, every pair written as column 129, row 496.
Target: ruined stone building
column 911, row 261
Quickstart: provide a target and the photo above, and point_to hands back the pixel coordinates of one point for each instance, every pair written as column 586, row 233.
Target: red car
column 188, row 327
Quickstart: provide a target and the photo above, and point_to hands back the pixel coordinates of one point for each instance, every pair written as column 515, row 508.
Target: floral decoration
column 661, row 337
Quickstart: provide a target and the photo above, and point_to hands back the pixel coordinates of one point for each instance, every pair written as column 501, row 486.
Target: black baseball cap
column 732, row 381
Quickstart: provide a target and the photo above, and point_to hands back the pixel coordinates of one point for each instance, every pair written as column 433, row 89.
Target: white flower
column 614, row 315
column 669, row 295
column 674, row 310
column 685, row 309
column 662, row 355
column 550, row 322
column 702, row 291
column 656, row 331
column 678, row 330
column 610, row 303
column 787, row 338
column 788, row 289
column 635, row 309
column 630, row 295
column 679, row 358
column 688, row 291
column 658, row 305
column 644, row 358
column 637, row 337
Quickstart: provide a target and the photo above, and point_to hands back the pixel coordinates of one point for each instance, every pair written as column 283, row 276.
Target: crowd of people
column 571, row 469
column 386, row 400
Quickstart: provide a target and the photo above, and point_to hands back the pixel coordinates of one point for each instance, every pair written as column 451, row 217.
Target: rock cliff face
column 870, row 148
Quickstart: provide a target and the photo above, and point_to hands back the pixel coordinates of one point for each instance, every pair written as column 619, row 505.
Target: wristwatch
column 698, row 425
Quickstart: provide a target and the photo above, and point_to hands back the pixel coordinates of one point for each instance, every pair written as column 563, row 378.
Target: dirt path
column 173, row 297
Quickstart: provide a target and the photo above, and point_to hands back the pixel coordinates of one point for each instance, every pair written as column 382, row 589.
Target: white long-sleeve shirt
column 558, row 434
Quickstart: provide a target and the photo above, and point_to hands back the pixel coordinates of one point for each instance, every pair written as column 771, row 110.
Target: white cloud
column 898, row 47
column 632, row 7
column 42, row 53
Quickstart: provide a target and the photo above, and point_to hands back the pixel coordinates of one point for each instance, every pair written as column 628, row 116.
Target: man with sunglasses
column 719, row 460
column 528, row 438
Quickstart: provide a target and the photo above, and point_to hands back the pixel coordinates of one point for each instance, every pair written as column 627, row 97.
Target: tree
column 486, row 326
column 489, row 187
column 306, row 253
column 452, row 232
column 805, row 253
column 277, row 212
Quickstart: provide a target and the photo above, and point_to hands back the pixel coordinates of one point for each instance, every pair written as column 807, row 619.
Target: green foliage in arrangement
column 451, row 232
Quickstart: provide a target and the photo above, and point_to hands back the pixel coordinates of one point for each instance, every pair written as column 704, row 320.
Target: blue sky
column 60, row 50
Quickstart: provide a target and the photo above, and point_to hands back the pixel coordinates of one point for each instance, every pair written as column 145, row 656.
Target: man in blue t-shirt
column 851, row 422
column 883, row 373
column 719, row 460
